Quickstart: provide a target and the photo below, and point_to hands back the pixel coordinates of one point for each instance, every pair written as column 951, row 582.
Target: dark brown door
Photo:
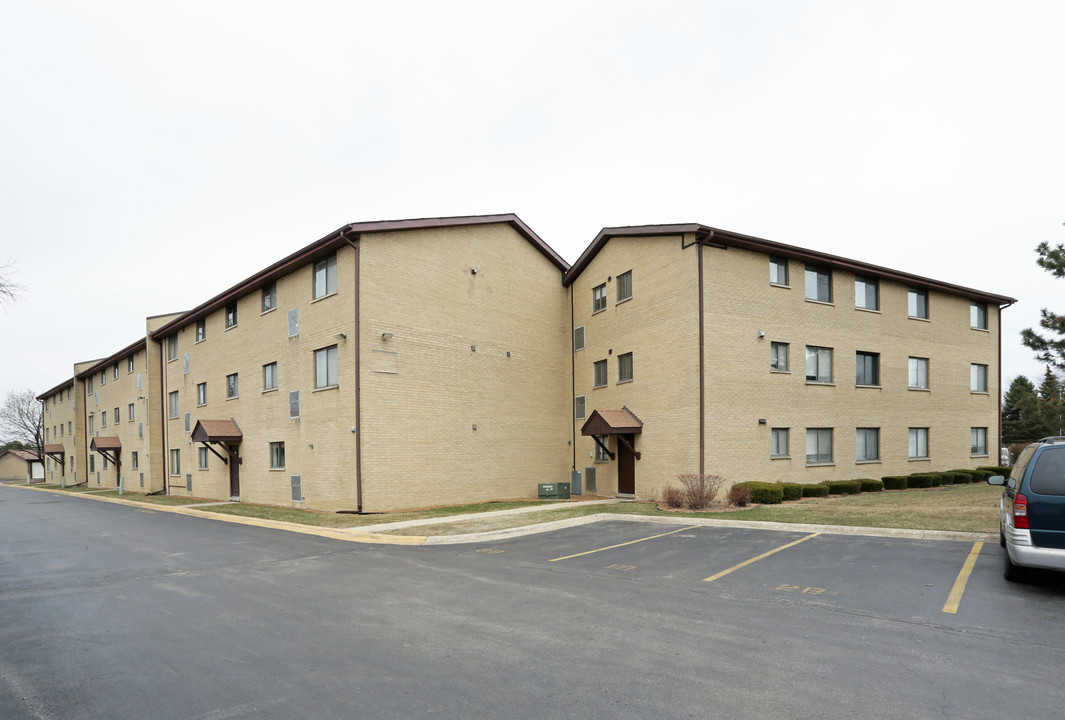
column 626, row 466
column 234, row 471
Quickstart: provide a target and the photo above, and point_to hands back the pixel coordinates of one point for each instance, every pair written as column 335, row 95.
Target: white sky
column 923, row 136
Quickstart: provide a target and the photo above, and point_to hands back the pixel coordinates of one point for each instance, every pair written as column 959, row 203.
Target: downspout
column 573, row 381
column 358, row 384
column 163, row 423
column 702, row 369
column 998, row 450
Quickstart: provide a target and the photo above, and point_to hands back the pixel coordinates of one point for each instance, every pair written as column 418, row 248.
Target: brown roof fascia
column 61, row 386
column 123, row 353
column 728, row 238
column 336, row 239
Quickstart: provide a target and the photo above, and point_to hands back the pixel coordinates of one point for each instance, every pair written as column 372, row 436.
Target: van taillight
column 1020, row 512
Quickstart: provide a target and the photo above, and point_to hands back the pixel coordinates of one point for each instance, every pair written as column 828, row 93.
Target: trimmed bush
column 792, row 491
column 963, row 477
column 980, row 476
column 870, row 485
column 739, row 496
column 894, row 482
column 815, row 490
column 949, row 477
column 844, row 487
column 765, row 493
column 919, row 480
column 996, row 469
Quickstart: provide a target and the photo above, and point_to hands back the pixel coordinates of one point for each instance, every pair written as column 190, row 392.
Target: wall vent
column 589, row 479
column 293, row 322
column 297, row 488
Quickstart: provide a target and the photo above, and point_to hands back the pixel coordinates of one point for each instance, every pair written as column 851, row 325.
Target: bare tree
column 10, row 291
column 22, row 419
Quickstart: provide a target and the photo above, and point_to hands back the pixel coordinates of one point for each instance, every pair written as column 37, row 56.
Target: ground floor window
column 818, row 446
column 202, row 452
column 868, row 444
column 978, row 441
column 780, row 442
column 918, row 443
column 600, row 453
column 175, row 462
column 277, row 455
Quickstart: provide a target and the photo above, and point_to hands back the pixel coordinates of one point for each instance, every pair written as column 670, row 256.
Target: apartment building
column 412, row 363
column 58, row 410
column 702, row 350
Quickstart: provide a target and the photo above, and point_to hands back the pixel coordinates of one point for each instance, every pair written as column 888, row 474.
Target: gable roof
column 612, row 422
column 22, row 455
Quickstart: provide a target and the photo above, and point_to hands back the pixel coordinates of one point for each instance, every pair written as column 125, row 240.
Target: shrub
column 843, row 487
column 739, row 495
column 700, row 489
column 765, row 493
column 792, row 491
column 815, row 490
column 870, row 485
column 996, row 469
column 980, row 476
column 963, row 477
column 672, row 497
column 919, row 480
column 894, row 482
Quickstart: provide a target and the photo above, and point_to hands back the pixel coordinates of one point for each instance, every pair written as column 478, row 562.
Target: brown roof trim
column 22, row 455
column 54, row 448
column 612, row 422
column 727, row 238
column 105, row 443
column 61, row 386
column 121, row 354
column 217, row 431
column 337, row 239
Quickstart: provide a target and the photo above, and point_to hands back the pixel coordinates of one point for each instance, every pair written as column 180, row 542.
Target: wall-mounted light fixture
column 341, row 336
column 761, row 333
column 386, row 336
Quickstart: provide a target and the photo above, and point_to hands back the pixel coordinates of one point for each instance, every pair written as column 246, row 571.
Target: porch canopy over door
column 622, row 423
column 218, row 432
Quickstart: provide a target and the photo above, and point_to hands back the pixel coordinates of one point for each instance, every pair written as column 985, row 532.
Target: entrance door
column 626, row 466
column 234, row 471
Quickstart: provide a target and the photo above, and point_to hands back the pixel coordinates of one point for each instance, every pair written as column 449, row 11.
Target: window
column 202, row 457
column 579, row 407
column 866, row 293
column 231, row 315
column 778, row 271
column 978, row 378
column 818, row 446
column 103, row 419
column 134, row 459
column 625, row 286
column 92, row 463
column 90, row 384
column 171, row 348
column 232, row 386
column 918, row 373
column 325, row 367
column 103, row 378
column 868, row 445
column 277, row 456
column 114, row 371
column 978, row 315
column 92, row 423
column 978, row 441
column 818, row 284
column 625, row 367
column 599, row 298
column 132, row 413
column 917, row 303
column 129, row 364
column 325, row 277
column 918, row 443
column 818, row 364
column 118, row 416
column 599, row 373
column 778, row 356
column 779, row 443
column 270, row 297
column 201, row 394
column 173, row 405
column 868, row 369
column 270, row 376
column 600, row 452
column 175, row 462
column 578, row 338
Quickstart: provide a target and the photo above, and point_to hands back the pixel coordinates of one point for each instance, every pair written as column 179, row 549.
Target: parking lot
column 113, row 611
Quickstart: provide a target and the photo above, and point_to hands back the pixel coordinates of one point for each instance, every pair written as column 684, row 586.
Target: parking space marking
column 631, row 542
column 745, row 563
column 954, row 599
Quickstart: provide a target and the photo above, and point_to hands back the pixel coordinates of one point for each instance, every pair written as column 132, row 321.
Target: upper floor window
column 89, row 384
column 103, row 378
column 174, row 412
column 978, row 378
column 625, row 367
column 232, row 386
column 868, row 369
column 866, row 293
column 818, row 364
column 978, row 315
column 918, row 373
column 269, row 297
column 270, row 376
column 778, row 356
column 132, row 413
column 917, row 303
column 818, row 284
column 325, row 276
column 231, row 315
column 114, row 371
column 129, row 364
column 171, row 348
column 201, row 330
column 201, row 394
column 599, row 373
column 778, row 270
column 599, row 298
column 625, row 286
column 579, row 406
column 325, row 367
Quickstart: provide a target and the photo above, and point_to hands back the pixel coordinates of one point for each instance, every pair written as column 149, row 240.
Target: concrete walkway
column 389, row 527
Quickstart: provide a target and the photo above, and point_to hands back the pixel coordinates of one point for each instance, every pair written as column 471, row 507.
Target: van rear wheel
column 1012, row 573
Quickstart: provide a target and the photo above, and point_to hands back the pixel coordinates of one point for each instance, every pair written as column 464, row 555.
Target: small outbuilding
column 21, row 465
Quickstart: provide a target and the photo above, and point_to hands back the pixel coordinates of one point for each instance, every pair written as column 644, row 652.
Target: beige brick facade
column 58, row 407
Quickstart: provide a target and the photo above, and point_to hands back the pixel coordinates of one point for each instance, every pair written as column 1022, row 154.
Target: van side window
column 1048, row 475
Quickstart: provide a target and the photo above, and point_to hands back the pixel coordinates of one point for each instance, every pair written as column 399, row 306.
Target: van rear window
column 1048, row 476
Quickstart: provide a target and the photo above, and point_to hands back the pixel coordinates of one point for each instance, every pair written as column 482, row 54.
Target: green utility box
column 554, row 491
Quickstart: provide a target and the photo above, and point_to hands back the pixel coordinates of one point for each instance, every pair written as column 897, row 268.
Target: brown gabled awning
column 612, row 422
column 54, row 449
column 217, row 431
column 99, row 444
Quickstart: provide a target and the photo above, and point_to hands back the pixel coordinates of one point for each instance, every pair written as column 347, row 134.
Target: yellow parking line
column 954, row 599
column 631, row 542
column 745, row 563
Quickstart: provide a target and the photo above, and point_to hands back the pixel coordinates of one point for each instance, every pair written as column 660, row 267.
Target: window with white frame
column 114, row 371
column 129, row 364
column 269, row 297
column 232, row 386
column 175, row 462
column 277, row 456
column 866, row 293
column 325, row 276
column 231, row 315
column 202, row 452
column 978, row 441
column 818, row 446
column 118, row 416
column 779, row 442
column 201, row 394
column 201, row 330
column 103, row 378
column 978, row 315
column 778, row 271
column 818, row 364
column 132, row 412
column 625, row 286
column 978, row 378
column 867, row 444
column 625, row 367
column 917, row 303
column 579, row 407
column 89, row 385
column 270, row 376
column 867, row 368
column 599, row 298
column 173, row 405
column 135, row 459
column 171, row 348
column 600, row 451
column 778, row 356
column 599, row 373
column 92, row 423
column 325, row 367
column 918, row 443
column 103, row 419
column 918, row 373
column 818, row 284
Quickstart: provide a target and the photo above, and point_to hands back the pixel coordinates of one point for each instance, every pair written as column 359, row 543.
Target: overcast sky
column 922, row 136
